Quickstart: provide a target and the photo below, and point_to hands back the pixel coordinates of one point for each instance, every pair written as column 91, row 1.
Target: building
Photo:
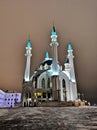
column 9, row 98
column 49, row 82
column 2, row 98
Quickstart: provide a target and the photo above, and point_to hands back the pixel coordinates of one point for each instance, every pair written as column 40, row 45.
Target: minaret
column 55, row 66
column 54, row 45
column 70, row 57
column 28, row 58
column 73, row 85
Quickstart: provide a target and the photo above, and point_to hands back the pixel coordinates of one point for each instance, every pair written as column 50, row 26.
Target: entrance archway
column 28, row 99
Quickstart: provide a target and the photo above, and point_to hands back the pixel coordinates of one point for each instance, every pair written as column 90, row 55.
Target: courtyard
column 49, row 118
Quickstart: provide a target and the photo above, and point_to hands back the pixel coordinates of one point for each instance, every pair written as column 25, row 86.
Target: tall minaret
column 28, row 58
column 54, row 45
column 70, row 57
column 55, row 66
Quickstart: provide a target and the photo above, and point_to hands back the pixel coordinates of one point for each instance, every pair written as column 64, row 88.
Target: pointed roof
column 46, row 54
column 28, row 43
column 69, row 46
column 53, row 31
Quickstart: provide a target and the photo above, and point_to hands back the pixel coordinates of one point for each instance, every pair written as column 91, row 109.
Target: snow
column 49, row 118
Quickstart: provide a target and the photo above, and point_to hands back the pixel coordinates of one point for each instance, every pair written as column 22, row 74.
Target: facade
column 9, row 99
column 2, row 98
column 50, row 82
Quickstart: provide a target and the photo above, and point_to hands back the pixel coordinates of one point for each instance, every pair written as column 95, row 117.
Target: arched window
column 28, row 95
column 63, row 81
column 64, row 90
column 35, row 82
column 48, row 82
column 43, row 83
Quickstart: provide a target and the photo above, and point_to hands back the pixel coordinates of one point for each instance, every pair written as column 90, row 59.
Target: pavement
column 49, row 118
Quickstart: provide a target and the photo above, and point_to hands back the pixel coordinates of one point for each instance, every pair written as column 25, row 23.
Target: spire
column 53, row 36
column 53, row 31
column 46, row 55
column 28, row 43
column 69, row 46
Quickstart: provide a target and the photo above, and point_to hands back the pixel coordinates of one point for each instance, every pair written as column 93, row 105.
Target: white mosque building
column 50, row 82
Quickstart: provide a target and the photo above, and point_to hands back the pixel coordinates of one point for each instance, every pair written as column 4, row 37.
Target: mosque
column 50, row 82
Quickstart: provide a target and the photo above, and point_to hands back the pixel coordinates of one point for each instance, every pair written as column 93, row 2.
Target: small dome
column 69, row 46
column 28, row 43
column 48, row 62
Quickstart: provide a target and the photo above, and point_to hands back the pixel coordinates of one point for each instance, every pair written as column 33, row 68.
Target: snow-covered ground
column 49, row 118
column 3, row 112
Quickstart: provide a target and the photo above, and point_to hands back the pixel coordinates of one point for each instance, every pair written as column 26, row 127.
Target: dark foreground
column 49, row 118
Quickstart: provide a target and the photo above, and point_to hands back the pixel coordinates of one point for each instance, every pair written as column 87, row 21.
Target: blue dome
column 28, row 43
column 69, row 46
column 53, row 31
